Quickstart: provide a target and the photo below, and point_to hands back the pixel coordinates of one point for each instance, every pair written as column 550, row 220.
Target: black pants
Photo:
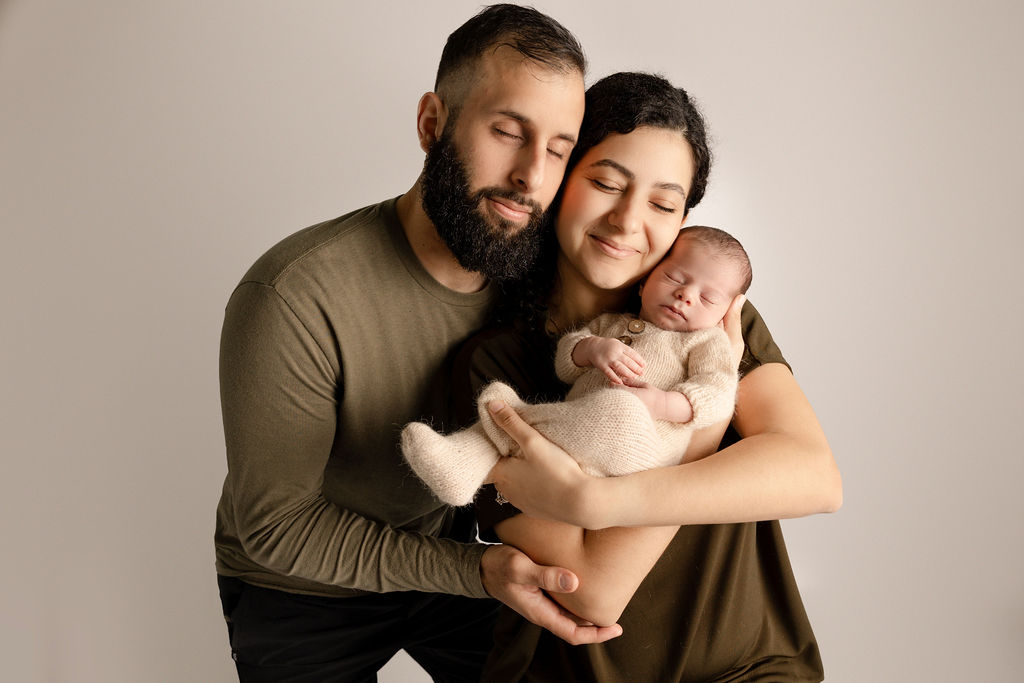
column 277, row 636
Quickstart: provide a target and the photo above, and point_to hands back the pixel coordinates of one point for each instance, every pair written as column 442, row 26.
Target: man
column 338, row 336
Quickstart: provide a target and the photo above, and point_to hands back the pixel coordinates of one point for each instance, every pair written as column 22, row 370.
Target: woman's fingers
column 734, row 328
column 513, row 425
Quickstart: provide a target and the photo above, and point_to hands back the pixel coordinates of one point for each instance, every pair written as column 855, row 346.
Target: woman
column 708, row 602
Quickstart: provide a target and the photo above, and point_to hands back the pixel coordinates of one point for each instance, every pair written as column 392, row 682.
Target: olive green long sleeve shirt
column 334, row 339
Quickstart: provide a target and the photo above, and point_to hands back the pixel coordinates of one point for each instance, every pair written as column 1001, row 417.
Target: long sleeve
column 279, row 398
column 565, row 368
column 711, row 378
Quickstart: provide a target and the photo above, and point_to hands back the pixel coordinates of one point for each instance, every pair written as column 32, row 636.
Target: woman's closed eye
column 605, row 186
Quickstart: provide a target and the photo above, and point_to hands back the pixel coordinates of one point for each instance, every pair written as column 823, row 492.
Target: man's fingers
column 525, row 571
column 572, row 630
column 512, row 577
column 557, row 580
column 551, row 616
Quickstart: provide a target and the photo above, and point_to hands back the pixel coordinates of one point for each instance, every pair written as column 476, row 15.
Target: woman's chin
column 610, row 280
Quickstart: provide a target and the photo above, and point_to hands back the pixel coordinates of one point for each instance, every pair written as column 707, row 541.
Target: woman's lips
column 614, row 249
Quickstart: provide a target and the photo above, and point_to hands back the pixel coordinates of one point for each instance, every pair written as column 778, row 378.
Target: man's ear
column 431, row 116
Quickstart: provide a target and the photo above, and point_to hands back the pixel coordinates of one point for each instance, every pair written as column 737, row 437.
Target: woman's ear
column 431, row 115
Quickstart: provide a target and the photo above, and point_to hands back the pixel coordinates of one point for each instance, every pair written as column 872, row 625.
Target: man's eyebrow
column 571, row 139
column 611, row 163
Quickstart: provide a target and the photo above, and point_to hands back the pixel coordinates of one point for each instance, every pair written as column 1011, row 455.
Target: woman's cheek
column 572, row 217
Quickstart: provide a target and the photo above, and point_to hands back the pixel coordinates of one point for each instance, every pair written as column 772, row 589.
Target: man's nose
column 528, row 174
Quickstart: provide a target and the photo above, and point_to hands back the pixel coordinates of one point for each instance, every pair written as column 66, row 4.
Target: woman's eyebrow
column 611, row 163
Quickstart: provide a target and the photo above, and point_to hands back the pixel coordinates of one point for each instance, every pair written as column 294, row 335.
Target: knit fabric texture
column 609, row 431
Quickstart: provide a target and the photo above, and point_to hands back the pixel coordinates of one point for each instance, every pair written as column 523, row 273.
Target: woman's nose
column 626, row 216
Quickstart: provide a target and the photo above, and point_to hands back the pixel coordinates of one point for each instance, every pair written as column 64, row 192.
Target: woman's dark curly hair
column 619, row 103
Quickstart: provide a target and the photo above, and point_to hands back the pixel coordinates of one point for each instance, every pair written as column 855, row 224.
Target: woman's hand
column 731, row 324
column 541, row 479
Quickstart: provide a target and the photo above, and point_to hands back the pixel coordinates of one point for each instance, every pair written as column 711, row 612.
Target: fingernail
column 495, row 406
column 564, row 583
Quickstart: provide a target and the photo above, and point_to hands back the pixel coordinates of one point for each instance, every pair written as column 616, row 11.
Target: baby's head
column 693, row 286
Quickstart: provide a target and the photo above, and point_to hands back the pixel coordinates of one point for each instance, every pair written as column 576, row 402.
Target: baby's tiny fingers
column 610, row 373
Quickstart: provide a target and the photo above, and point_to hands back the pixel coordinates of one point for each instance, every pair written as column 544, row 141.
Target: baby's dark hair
column 534, row 35
column 724, row 244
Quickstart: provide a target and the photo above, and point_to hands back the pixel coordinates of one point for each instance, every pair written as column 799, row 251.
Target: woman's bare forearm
column 610, row 563
column 781, row 468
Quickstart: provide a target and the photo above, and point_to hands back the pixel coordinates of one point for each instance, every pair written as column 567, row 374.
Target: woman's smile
column 613, row 248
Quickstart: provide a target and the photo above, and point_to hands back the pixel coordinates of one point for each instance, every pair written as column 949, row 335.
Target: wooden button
column 626, row 339
column 636, row 326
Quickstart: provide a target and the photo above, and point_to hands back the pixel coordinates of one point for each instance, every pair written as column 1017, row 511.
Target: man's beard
column 496, row 248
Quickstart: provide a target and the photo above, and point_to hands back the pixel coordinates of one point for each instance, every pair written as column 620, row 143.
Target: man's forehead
column 518, row 87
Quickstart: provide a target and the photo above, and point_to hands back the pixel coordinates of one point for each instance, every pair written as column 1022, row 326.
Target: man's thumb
column 558, row 580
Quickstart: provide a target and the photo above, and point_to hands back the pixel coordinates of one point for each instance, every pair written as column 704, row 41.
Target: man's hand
column 514, row 579
column 619, row 363
column 541, row 479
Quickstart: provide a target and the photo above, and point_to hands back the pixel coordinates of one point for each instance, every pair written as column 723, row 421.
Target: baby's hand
column 619, row 363
column 662, row 405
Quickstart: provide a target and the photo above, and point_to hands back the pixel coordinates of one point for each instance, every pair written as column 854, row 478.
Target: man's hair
column 722, row 244
column 625, row 101
column 536, row 36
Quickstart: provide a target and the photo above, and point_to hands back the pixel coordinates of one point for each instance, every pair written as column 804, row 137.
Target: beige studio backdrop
column 869, row 155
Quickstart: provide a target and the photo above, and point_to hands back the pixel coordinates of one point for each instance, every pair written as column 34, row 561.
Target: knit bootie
column 497, row 391
column 453, row 466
